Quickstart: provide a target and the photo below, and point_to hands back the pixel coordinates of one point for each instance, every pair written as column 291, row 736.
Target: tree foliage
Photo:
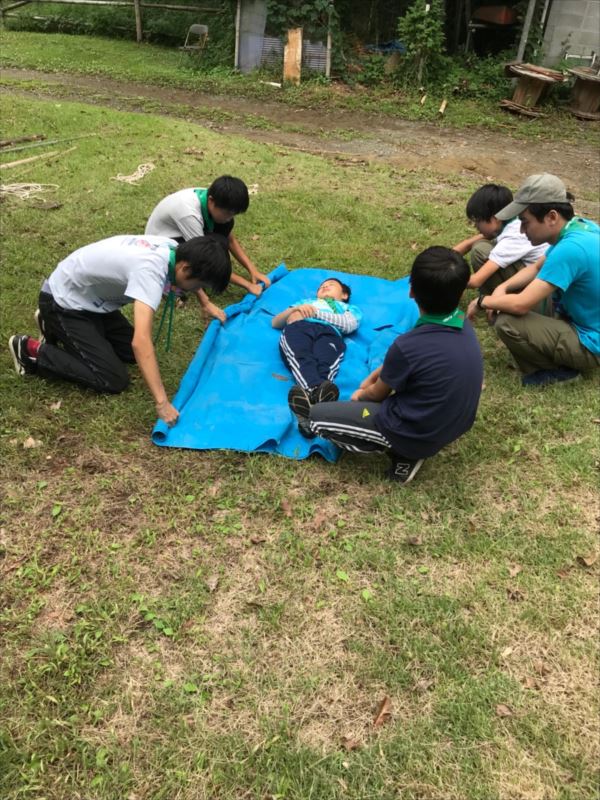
column 421, row 31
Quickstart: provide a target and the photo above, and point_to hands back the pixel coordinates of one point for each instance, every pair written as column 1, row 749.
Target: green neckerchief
column 574, row 224
column 332, row 304
column 209, row 223
column 456, row 319
column 169, row 302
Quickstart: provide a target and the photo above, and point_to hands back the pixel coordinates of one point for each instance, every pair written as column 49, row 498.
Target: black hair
column 208, row 257
column 539, row 210
column 438, row 278
column 487, row 201
column 345, row 288
column 230, row 194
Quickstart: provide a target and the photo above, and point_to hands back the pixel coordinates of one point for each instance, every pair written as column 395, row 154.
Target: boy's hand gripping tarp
column 234, row 393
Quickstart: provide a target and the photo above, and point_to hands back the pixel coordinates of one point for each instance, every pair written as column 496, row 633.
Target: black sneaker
column 24, row 364
column 326, row 392
column 39, row 321
column 299, row 401
column 403, row 470
column 304, row 429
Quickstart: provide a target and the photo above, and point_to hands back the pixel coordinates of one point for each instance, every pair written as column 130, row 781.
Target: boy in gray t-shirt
column 85, row 337
column 196, row 212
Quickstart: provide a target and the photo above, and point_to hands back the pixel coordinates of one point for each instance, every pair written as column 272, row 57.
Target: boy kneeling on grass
column 197, row 212
column 86, row 339
column 426, row 393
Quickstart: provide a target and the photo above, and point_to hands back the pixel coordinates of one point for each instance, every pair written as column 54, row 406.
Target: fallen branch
column 32, row 138
column 48, row 142
column 36, row 158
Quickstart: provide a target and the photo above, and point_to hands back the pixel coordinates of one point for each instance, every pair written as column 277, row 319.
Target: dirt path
column 483, row 153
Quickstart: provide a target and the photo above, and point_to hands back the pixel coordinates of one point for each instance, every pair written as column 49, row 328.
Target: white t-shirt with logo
column 103, row 276
column 176, row 215
column 512, row 245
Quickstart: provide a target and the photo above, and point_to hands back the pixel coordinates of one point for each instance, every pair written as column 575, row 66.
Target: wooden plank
column 138, row 20
column 292, row 56
column 14, row 5
column 36, row 158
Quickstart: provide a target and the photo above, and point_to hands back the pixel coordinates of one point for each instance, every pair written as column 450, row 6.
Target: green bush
column 421, row 31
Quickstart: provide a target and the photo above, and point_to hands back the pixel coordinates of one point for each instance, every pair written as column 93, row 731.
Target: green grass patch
column 218, row 625
column 162, row 66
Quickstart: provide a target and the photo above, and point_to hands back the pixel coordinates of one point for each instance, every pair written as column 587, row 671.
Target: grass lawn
column 162, row 66
column 212, row 625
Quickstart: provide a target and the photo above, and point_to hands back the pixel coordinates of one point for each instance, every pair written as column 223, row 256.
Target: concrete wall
column 577, row 22
column 253, row 16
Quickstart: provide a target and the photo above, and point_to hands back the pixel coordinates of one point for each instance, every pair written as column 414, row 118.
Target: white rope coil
column 23, row 191
column 140, row 172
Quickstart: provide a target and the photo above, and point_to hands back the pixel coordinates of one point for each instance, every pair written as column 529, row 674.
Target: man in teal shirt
column 559, row 348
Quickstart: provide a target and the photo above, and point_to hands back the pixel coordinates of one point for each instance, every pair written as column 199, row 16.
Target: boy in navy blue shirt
column 426, row 393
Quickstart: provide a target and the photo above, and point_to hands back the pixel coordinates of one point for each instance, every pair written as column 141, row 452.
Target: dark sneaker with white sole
column 403, row 470
column 299, row 401
column 326, row 392
column 304, row 429
column 24, row 364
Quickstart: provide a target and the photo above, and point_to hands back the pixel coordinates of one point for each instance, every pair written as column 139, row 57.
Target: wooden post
column 328, row 56
column 292, row 56
column 138, row 20
column 525, row 31
column 236, row 55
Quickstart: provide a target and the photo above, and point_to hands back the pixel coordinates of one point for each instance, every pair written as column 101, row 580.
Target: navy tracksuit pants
column 312, row 351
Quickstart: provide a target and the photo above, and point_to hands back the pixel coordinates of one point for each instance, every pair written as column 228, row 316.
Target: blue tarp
column 234, row 393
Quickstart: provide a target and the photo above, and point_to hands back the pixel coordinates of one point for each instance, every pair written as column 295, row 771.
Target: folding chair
column 195, row 40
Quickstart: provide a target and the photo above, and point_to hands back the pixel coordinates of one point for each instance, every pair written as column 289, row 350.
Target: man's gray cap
column 544, row 188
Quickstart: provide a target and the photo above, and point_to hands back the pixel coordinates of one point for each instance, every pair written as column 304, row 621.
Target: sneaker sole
column 416, row 467
column 299, row 402
column 19, row 368
column 329, row 395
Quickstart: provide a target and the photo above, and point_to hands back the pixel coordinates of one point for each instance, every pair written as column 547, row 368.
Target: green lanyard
column 202, row 195
column 456, row 319
column 169, row 302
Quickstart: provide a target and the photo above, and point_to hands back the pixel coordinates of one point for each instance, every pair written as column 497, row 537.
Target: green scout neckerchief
column 169, row 302
column 209, row 223
column 332, row 304
column 574, row 224
column 456, row 319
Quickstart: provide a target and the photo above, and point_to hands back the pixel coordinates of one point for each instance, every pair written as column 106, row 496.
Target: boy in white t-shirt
column 85, row 337
column 499, row 250
column 197, row 212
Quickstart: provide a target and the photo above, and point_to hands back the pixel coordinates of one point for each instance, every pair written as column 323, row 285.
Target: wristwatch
column 480, row 301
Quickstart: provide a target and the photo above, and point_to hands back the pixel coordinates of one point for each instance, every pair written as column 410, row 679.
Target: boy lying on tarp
column 312, row 344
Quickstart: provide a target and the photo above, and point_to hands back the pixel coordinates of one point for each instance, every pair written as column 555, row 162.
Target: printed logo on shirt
column 365, row 413
column 146, row 244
